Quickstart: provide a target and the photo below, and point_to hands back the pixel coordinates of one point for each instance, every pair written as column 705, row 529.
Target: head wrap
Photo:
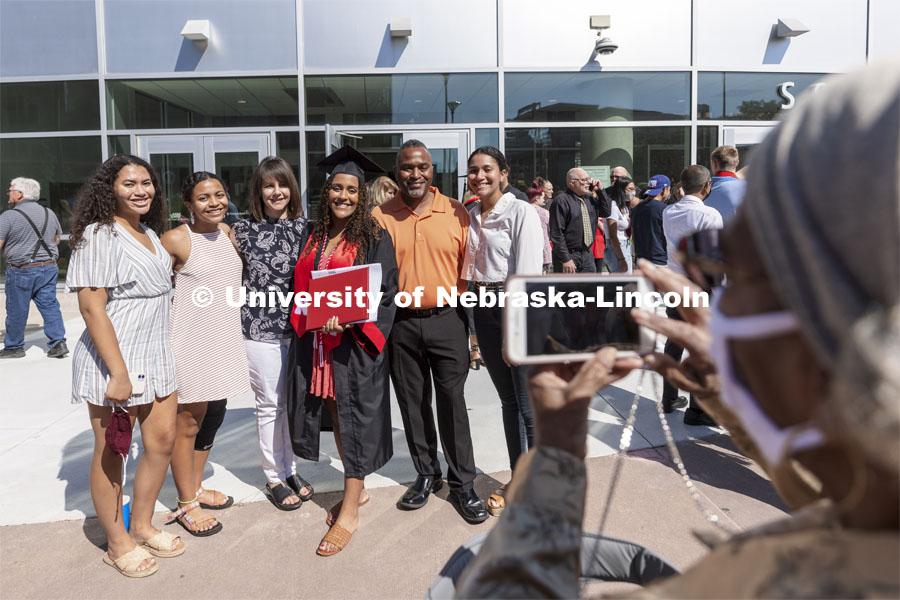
column 823, row 200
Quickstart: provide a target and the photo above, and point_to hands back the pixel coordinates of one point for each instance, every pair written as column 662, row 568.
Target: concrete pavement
column 49, row 543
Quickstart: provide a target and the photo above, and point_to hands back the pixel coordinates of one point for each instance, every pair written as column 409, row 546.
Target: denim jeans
column 612, row 261
column 510, row 382
column 27, row 284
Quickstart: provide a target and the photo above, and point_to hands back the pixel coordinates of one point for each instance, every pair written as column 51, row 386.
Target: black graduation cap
column 351, row 161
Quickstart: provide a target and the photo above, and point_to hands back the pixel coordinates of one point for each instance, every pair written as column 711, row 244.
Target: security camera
column 605, row 46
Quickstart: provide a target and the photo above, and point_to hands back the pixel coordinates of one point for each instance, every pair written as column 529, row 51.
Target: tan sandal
column 330, row 519
column 216, row 494
column 160, row 545
column 496, row 502
column 338, row 537
column 128, row 563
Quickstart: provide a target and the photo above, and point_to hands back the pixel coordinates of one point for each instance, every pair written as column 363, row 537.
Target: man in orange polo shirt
column 429, row 232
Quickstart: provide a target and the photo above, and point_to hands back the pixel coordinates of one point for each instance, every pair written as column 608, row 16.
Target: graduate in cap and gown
column 343, row 367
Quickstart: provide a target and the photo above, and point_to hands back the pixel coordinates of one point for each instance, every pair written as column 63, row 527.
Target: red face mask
column 118, row 432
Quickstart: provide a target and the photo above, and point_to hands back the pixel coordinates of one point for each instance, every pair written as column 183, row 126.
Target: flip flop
column 160, row 545
column 278, row 494
column 227, row 504
column 128, row 563
column 330, row 519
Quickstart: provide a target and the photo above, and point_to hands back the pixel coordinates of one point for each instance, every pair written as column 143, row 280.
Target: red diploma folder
column 347, row 306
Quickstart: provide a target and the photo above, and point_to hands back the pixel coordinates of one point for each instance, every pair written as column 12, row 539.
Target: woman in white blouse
column 505, row 238
column 618, row 249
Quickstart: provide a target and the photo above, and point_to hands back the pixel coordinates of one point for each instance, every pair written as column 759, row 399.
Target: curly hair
column 96, row 200
column 360, row 230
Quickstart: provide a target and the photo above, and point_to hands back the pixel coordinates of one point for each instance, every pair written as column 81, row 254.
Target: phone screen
column 559, row 330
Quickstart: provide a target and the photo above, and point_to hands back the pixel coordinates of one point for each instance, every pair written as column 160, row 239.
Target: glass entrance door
column 745, row 139
column 449, row 150
column 233, row 157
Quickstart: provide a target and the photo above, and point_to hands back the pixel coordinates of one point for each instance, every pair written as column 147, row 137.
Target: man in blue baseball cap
column 647, row 223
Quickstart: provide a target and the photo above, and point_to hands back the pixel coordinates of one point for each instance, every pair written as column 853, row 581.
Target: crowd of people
column 829, row 435
column 144, row 344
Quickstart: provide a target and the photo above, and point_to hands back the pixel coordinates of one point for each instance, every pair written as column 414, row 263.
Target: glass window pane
column 401, row 99
column 749, row 96
column 487, row 137
column 119, row 144
column 707, row 141
column 179, row 103
column 60, row 165
column 551, row 152
column 49, row 106
column 172, row 170
column 315, row 178
column 236, row 169
column 591, row 96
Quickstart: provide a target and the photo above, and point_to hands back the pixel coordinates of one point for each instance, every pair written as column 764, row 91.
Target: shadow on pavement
column 716, row 462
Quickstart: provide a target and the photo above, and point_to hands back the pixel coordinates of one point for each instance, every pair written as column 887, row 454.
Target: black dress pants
column 425, row 347
column 672, row 349
column 584, row 261
column 510, row 382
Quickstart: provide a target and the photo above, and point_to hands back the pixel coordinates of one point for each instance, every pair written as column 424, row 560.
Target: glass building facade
column 182, row 114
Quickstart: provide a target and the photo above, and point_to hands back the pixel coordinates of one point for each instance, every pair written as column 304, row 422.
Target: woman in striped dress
column 202, row 326
column 122, row 275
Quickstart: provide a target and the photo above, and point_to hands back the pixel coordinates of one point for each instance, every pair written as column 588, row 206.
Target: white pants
column 267, row 378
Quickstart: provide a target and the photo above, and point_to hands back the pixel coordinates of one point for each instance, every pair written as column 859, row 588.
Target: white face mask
column 773, row 442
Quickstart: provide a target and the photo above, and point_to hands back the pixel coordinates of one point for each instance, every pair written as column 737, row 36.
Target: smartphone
column 701, row 256
column 567, row 318
column 138, row 381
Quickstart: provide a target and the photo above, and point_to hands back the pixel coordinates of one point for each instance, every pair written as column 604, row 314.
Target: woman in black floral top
column 269, row 243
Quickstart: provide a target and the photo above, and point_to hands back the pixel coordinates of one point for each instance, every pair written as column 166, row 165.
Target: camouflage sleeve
column 534, row 550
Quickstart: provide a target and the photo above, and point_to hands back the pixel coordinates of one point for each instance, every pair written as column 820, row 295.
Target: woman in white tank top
column 205, row 333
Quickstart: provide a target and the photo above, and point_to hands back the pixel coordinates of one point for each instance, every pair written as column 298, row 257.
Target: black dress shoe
column 417, row 494
column 670, row 405
column 471, row 506
column 692, row 416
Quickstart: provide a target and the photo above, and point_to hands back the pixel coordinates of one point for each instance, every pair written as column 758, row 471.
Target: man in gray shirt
column 29, row 236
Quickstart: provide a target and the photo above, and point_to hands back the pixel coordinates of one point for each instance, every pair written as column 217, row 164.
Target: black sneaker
column 671, row 405
column 60, row 350
column 12, row 353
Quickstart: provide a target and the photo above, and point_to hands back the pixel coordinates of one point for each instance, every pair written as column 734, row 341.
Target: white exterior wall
column 729, row 39
column 354, row 35
column 144, row 36
column 556, row 35
column 884, row 17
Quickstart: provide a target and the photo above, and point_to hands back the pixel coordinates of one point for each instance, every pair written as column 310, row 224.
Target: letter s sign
column 786, row 95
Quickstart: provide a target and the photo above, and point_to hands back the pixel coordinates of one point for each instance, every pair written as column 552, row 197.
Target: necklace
column 625, row 442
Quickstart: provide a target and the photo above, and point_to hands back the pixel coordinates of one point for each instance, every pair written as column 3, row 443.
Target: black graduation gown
column 361, row 383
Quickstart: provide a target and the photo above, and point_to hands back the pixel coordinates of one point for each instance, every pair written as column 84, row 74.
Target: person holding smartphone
column 505, row 238
column 122, row 275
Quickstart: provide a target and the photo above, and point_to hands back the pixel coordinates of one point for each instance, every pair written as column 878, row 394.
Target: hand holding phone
column 568, row 318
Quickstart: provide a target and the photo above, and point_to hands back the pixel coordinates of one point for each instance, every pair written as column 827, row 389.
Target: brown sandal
column 330, row 519
column 338, row 537
column 496, row 502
